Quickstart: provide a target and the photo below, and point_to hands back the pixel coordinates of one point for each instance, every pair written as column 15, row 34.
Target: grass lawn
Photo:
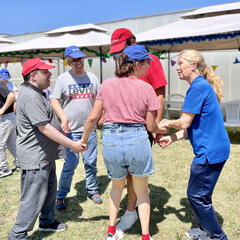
column 171, row 214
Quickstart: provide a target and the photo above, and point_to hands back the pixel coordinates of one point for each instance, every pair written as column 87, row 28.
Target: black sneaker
column 54, row 227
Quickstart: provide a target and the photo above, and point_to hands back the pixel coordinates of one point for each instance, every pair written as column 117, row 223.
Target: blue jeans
column 126, row 148
column 203, row 178
column 71, row 162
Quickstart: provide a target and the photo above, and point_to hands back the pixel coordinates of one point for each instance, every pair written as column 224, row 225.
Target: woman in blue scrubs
column 202, row 122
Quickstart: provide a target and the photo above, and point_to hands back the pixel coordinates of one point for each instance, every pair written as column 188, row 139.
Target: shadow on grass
column 186, row 213
column 74, row 210
column 159, row 197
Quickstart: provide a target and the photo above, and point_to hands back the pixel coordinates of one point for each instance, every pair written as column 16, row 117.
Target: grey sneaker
column 196, row 233
column 127, row 220
column 5, row 173
column 54, row 227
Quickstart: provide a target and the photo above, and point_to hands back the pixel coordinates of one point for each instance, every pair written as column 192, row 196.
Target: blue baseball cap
column 4, row 74
column 137, row 53
column 74, row 52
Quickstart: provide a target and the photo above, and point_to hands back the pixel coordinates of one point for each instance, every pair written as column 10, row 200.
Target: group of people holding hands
column 130, row 107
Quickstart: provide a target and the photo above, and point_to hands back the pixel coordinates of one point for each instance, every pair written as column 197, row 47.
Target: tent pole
column 58, row 64
column 168, row 83
column 168, row 75
column 100, row 49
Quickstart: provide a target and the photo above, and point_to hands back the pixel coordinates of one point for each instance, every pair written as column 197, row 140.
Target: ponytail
column 209, row 75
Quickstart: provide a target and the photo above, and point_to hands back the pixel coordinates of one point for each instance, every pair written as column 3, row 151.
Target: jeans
column 7, row 139
column 203, row 178
column 126, row 148
column 71, row 163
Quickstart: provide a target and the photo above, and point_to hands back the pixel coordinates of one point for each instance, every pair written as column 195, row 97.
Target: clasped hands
column 163, row 141
column 76, row 146
column 79, row 146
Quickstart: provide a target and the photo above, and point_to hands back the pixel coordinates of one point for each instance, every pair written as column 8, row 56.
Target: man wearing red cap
column 122, row 38
column 38, row 146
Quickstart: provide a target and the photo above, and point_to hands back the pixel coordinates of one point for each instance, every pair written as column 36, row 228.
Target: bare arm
column 151, row 124
column 183, row 122
column 60, row 113
column 52, row 133
column 10, row 99
column 161, row 98
column 92, row 120
column 101, row 121
column 167, row 140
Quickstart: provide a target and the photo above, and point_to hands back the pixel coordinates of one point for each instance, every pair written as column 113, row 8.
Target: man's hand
column 78, row 146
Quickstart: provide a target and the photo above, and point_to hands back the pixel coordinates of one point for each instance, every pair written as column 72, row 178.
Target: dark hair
column 27, row 76
column 130, row 41
column 124, row 66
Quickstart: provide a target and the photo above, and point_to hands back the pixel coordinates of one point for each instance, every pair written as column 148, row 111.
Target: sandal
column 96, row 198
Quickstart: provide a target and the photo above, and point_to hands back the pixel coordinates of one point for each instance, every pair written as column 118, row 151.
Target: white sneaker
column 197, row 233
column 117, row 236
column 127, row 220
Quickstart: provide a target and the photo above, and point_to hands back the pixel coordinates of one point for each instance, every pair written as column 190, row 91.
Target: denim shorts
column 126, row 148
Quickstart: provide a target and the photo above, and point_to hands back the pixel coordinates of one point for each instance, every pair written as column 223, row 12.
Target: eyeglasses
column 76, row 60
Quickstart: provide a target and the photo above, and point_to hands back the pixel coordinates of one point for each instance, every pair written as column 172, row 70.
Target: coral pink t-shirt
column 127, row 100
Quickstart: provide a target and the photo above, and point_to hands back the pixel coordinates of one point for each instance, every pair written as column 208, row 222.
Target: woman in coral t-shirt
column 129, row 104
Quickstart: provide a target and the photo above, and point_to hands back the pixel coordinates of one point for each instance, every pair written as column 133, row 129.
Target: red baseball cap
column 118, row 39
column 33, row 64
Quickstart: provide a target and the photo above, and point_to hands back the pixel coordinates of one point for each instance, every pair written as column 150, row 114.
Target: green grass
column 171, row 214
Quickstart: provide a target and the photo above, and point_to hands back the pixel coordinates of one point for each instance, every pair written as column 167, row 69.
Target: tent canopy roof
column 5, row 40
column 195, row 33
column 90, row 39
column 77, row 28
column 215, row 10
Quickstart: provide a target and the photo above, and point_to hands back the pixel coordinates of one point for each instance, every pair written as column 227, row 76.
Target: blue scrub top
column 207, row 133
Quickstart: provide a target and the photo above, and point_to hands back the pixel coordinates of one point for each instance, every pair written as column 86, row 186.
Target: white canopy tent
column 4, row 40
column 211, row 33
column 215, row 10
column 54, row 42
column 93, row 40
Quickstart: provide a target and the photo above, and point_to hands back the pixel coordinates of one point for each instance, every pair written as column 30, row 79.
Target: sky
column 23, row 16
